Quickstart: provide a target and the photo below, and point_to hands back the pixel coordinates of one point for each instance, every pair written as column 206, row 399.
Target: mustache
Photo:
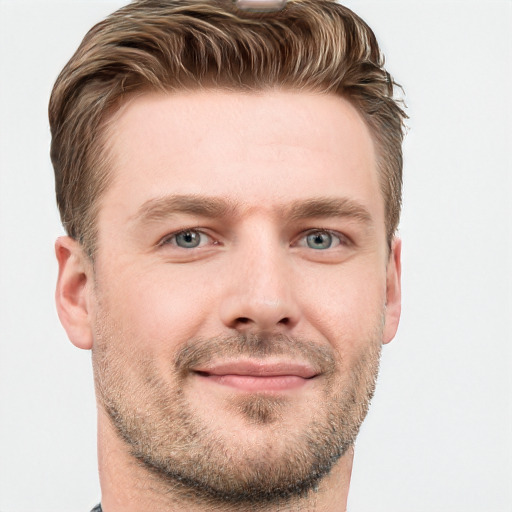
column 202, row 351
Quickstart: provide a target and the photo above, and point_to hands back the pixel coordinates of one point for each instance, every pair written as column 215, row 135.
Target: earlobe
column 393, row 291
column 71, row 295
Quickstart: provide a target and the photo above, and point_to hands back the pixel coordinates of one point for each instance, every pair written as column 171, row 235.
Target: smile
column 258, row 376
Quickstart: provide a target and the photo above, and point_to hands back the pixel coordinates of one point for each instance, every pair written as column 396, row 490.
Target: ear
column 72, row 293
column 393, row 291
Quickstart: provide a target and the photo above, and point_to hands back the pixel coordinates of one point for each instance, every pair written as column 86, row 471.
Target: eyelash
column 167, row 240
column 342, row 239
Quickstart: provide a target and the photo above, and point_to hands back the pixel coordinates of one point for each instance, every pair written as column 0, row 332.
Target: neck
column 127, row 486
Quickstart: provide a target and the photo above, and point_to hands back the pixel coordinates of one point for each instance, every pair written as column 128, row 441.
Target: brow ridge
column 160, row 208
column 329, row 207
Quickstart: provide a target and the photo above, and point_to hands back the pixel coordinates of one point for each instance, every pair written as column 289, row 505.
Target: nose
column 259, row 294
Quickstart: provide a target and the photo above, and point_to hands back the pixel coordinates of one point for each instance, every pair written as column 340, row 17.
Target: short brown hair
column 167, row 45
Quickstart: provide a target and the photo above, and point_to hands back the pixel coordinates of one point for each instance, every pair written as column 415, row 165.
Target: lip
column 258, row 375
column 255, row 368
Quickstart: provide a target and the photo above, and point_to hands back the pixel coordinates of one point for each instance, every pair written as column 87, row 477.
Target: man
column 230, row 182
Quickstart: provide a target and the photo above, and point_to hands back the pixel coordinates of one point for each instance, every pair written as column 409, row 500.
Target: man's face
column 240, row 288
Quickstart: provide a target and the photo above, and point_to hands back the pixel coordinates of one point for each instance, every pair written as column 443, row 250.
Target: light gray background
column 438, row 436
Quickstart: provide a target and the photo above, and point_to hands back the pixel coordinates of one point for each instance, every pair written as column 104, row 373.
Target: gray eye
column 188, row 239
column 319, row 240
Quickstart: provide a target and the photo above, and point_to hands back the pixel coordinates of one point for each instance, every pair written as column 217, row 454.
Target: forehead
column 261, row 149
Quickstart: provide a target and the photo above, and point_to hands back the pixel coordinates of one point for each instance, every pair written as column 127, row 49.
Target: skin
column 254, row 273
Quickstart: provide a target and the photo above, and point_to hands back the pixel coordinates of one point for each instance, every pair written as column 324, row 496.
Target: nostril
column 244, row 320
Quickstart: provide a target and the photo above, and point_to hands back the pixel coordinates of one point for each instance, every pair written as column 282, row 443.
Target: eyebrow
column 329, row 207
column 160, row 208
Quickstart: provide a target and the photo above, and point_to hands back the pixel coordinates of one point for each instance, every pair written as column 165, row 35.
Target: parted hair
column 169, row 45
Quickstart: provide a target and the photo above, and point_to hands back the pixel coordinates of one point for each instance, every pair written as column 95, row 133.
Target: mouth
column 258, row 376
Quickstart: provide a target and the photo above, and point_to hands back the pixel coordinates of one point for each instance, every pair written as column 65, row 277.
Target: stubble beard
column 191, row 458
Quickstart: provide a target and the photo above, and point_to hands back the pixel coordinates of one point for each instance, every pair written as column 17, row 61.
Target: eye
column 188, row 239
column 321, row 240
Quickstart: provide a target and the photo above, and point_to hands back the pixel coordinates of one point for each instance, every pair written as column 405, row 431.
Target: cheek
column 348, row 307
column 157, row 309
